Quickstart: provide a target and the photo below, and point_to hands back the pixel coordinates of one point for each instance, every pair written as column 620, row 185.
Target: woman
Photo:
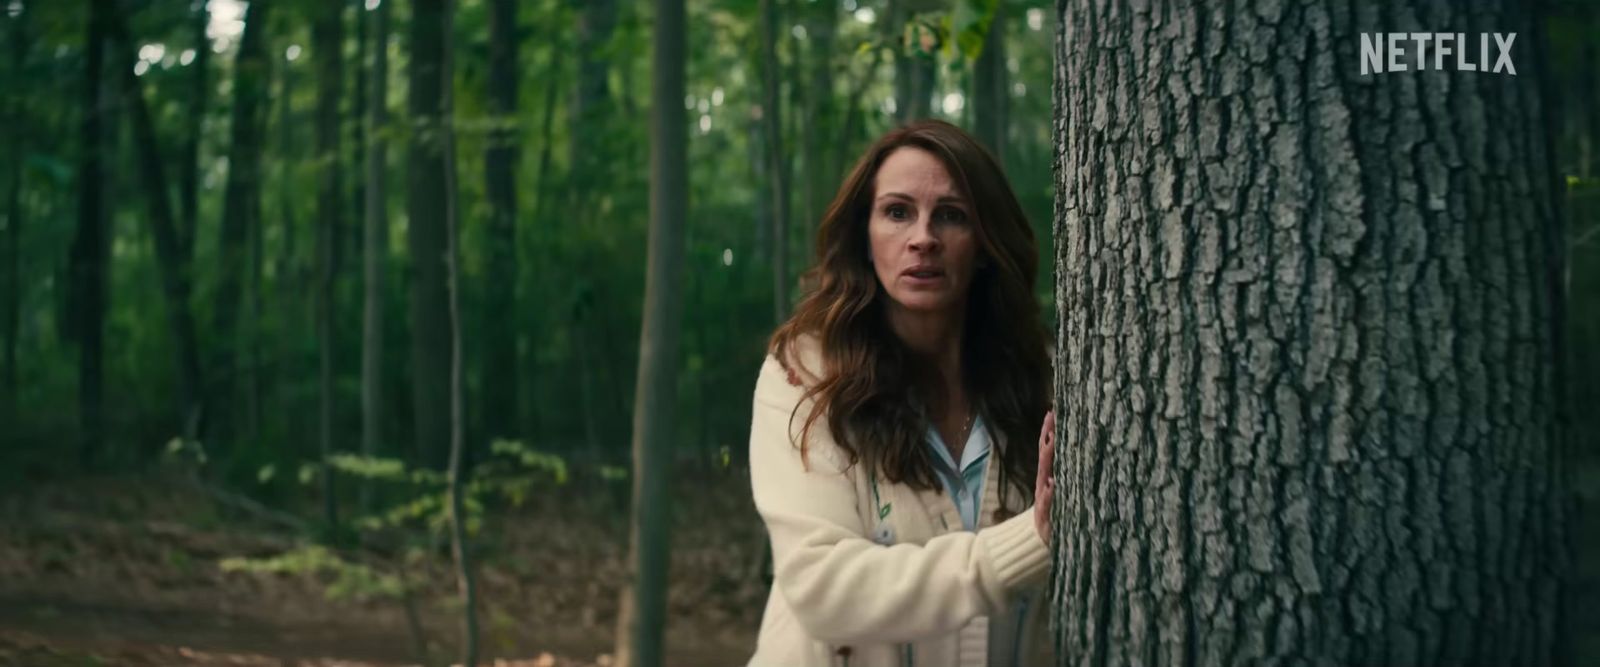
column 891, row 447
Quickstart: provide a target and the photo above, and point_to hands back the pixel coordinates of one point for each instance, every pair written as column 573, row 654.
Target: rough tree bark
column 241, row 207
column 1308, row 326
column 500, row 160
column 425, row 199
column 90, row 245
column 376, row 241
column 642, row 621
column 327, row 45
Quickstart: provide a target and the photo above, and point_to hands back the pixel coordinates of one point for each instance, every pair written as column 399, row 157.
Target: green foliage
column 345, row 579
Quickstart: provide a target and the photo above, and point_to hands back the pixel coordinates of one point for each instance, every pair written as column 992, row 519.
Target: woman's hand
column 1044, row 487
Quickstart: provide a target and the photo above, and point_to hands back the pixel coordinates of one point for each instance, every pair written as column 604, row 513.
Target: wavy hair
column 870, row 383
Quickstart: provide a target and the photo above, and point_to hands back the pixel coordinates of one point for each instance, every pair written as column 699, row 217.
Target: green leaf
column 883, row 512
column 266, row 473
column 971, row 20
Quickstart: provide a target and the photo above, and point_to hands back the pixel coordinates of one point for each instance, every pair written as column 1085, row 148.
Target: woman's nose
column 922, row 238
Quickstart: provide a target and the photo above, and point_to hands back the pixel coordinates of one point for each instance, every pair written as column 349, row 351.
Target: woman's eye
column 952, row 214
column 897, row 212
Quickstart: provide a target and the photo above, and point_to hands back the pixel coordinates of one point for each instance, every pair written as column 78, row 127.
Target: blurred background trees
column 230, row 187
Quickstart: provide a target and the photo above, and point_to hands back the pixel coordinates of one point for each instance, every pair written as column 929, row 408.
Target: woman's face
column 921, row 233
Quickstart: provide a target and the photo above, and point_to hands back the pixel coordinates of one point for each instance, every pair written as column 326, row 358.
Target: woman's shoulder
column 791, row 369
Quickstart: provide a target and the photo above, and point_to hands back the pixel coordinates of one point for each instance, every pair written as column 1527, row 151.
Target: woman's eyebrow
column 946, row 199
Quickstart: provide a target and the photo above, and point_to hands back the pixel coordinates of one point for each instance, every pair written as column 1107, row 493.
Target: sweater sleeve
column 841, row 586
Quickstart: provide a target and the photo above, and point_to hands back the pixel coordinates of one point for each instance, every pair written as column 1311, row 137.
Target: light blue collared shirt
column 964, row 482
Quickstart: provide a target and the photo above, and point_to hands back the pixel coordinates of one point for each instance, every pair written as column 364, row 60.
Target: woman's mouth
column 922, row 273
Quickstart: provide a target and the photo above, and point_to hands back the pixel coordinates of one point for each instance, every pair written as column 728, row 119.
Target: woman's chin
column 923, row 302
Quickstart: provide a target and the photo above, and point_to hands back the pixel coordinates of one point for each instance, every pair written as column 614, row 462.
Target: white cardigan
column 856, row 590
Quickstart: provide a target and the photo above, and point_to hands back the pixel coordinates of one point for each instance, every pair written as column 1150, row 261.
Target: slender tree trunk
column 596, row 20
column 990, row 88
column 327, row 37
column 819, row 119
column 241, row 202
column 90, row 243
column 500, row 161
column 199, row 95
column 353, row 236
column 459, row 472
column 643, row 621
column 777, row 158
column 288, row 270
column 376, row 257
column 19, row 38
column 541, row 205
column 425, row 198
column 164, row 229
column 1307, row 353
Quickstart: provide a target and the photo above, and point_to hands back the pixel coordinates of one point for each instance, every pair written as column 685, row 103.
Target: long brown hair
column 869, row 384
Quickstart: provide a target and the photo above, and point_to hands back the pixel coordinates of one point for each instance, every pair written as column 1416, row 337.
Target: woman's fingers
column 1044, row 483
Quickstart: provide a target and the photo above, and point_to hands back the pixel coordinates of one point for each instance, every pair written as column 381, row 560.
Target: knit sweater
column 869, row 573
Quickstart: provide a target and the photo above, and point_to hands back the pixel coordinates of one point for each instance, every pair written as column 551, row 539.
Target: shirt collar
column 976, row 448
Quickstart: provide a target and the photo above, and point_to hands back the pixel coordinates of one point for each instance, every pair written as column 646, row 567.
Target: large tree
column 642, row 622
column 1308, row 331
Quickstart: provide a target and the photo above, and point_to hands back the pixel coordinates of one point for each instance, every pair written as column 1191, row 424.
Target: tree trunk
column 164, row 231
column 459, row 472
column 642, row 622
column 499, row 326
column 90, row 245
column 425, row 198
column 596, row 20
column 18, row 36
column 327, row 38
column 199, row 94
column 241, row 202
column 1308, row 326
column 376, row 257
column 541, row 204
column 352, row 237
column 288, row 270
column 777, row 159
column 915, row 72
column 990, row 89
column 819, row 120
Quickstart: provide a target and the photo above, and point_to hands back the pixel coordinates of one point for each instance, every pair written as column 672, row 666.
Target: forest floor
column 128, row 571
